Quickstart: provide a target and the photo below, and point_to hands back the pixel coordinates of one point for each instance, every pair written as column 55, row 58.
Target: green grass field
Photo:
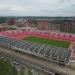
column 52, row 42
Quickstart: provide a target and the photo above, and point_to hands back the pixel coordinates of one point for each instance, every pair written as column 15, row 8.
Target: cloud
column 37, row 7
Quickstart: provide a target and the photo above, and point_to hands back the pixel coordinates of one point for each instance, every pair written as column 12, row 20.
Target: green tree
column 22, row 71
column 6, row 68
column 29, row 72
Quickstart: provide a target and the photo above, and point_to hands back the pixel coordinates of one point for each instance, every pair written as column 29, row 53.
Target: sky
column 37, row 8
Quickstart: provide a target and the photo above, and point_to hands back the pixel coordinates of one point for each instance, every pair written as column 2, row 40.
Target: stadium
column 51, row 46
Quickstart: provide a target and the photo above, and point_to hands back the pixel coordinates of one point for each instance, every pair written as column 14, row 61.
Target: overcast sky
column 37, row 7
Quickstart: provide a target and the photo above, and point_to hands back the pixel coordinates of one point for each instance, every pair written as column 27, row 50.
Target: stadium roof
column 51, row 53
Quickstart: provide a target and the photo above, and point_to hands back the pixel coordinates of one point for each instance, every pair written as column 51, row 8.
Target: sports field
column 53, row 42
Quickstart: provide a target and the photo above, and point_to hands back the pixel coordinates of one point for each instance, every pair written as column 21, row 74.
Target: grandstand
column 19, row 35
column 52, row 46
column 48, row 52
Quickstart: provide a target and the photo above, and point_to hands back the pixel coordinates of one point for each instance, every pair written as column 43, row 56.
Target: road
column 22, row 61
column 35, row 62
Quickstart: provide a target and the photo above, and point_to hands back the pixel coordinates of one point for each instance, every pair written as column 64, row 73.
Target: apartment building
column 45, row 24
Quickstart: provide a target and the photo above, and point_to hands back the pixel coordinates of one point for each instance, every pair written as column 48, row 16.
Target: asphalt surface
column 20, row 61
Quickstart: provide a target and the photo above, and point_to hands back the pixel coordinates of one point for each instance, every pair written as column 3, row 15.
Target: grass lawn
column 6, row 68
column 53, row 42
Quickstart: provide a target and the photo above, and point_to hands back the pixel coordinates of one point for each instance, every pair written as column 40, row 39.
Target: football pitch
column 53, row 42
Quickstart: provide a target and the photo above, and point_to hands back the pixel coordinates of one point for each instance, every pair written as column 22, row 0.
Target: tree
column 6, row 68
